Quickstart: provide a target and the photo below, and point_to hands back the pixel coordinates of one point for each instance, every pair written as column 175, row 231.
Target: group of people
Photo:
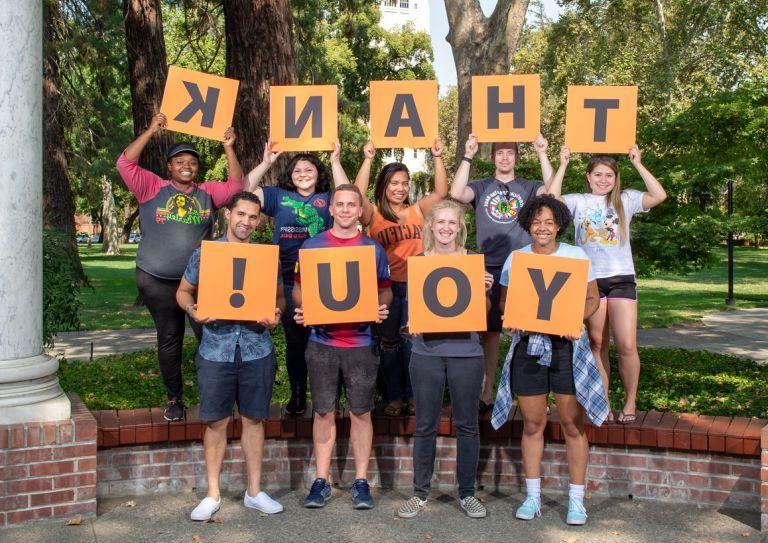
column 314, row 207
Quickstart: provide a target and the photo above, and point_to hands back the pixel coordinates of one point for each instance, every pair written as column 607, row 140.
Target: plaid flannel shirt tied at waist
column 586, row 378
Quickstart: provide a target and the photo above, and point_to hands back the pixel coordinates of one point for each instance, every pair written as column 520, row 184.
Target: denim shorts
column 529, row 378
column 327, row 365
column 245, row 382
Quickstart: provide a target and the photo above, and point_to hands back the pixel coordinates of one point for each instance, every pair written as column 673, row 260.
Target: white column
column 29, row 387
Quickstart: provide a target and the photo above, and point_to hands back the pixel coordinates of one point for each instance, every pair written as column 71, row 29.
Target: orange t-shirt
column 399, row 239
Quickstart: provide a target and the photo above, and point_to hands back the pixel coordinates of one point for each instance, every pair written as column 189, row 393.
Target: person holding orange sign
column 176, row 215
column 497, row 201
column 397, row 224
column 538, row 364
column 601, row 219
column 345, row 352
column 299, row 205
column 457, row 357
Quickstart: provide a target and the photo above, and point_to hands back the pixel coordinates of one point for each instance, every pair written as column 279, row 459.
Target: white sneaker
column 205, row 509
column 262, row 502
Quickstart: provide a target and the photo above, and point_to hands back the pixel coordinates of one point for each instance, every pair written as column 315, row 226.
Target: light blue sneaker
column 577, row 515
column 361, row 494
column 530, row 509
column 319, row 492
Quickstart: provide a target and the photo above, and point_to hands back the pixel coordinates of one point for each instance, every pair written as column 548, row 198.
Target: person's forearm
column 441, row 177
column 460, row 180
column 133, row 151
column 184, row 298
column 385, row 296
column 554, row 185
column 254, row 177
column 652, row 185
column 234, row 170
column 546, row 167
column 364, row 176
column 339, row 175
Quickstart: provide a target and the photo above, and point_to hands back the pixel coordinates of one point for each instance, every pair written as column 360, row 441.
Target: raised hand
column 369, row 150
column 437, row 148
column 229, row 137
column 336, row 153
column 635, row 156
column 269, row 157
column 565, row 155
column 540, row 144
column 471, row 147
column 158, row 124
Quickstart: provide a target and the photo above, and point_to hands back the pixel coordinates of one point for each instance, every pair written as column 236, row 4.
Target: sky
column 444, row 67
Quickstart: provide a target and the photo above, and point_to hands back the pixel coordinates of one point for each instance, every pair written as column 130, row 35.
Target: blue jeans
column 296, row 338
column 395, row 350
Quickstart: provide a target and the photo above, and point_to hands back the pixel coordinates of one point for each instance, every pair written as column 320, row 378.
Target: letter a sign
column 546, row 294
column 601, row 119
column 199, row 104
column 446, row 294
column 403, row 113
column 339, row 285
column 303, row 117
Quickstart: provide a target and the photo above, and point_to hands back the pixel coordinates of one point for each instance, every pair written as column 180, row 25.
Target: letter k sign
column 199, row 104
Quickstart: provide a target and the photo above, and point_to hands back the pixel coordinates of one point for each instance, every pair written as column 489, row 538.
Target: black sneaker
column 297, row 405
column 174, row 411
column 361, row 494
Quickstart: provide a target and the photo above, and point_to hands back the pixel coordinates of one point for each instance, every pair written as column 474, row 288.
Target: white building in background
column 394, row 15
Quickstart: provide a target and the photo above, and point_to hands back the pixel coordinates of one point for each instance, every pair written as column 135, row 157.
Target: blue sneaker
column 577, row 515
column 361, row 494
column 531, row 508
column 319, row 492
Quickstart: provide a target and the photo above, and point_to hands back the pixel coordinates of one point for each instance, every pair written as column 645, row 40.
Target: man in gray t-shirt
column 497, row 202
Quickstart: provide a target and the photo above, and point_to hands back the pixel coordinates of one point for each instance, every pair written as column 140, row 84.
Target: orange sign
column 199, row 104
column 506, row 107
column 303, row 117
column 446, row 294
column 546, row 294
column 339, row 285
column 238, row 281
column 403, row 113
column 601, row 119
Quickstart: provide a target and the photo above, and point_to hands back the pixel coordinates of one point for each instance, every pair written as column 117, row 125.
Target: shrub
column 62, row 280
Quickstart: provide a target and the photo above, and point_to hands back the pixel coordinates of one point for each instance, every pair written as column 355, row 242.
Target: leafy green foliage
column 61, row 282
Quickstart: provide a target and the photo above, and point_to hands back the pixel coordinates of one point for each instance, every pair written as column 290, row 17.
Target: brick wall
column 48, row 470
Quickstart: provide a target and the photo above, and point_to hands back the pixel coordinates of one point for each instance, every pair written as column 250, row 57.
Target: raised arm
column 339, row 175
column 363, row 179
column 541, row 145
column 254, row 177
column 459, row 189
column 555, row 184
column 655, row 193
column 133, row 151
column 441, row 179
column 234, row 170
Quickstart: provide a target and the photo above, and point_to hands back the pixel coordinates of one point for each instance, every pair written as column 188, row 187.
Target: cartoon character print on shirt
column 306, row 214
column 598, row 226
column 503, row 206
column 182, row 208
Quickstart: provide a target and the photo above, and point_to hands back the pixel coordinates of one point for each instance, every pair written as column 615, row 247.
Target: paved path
column 743, row 333
column 165, row 519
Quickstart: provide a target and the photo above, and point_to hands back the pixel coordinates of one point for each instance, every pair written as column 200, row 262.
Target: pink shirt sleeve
column 221, row 193
column 142, row 183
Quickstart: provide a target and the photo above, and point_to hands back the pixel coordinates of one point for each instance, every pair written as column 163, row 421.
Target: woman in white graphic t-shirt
column 601, row 218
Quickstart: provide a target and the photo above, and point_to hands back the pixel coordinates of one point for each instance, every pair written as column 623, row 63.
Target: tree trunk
column 58, row 202
column 148, row 69
column 259, row 54
column 481, row 46
column 110, row 233
column 128, row 226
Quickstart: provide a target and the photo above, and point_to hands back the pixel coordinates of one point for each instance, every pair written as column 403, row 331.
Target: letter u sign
column 339, row 285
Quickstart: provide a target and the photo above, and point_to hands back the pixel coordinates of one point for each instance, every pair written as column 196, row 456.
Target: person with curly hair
column 299, row 206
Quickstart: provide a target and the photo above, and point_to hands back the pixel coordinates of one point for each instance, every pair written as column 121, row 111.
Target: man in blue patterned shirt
column 235, row 363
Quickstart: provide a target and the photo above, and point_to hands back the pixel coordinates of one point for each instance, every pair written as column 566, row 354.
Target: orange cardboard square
column 199, row 104
column 546, row 294
column 339, row 285
column 446, row 294
column 403, row 113
column 303, row 117
column 506, row 107
column 238, row 281
column 601, row 119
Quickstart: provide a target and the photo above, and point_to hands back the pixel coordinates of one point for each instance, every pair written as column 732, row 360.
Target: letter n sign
column 506, row 107
column 403, row 114
column 199, row 104
column 303, row 117
column 546, row 294
column 446, row 294
column 601, row 119
column 339, row 285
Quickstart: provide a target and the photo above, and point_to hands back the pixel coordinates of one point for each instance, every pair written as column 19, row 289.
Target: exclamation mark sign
column 238, row 277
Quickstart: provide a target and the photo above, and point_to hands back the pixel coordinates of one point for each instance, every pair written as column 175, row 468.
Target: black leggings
column 159, row 295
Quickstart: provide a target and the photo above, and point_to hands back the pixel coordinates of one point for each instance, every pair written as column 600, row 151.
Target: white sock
column 533, row 487
column 576, row 492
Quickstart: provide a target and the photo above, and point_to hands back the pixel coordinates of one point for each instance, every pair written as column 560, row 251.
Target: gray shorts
column 357, row 366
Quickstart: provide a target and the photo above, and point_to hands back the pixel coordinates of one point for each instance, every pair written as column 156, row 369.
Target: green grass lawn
column 664, row 300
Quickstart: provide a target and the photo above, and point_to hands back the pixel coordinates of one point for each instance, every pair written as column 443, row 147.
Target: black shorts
column 247, row 383
column 357, row 366
column 618, row 287
column 529, row 378
column 494, row 314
